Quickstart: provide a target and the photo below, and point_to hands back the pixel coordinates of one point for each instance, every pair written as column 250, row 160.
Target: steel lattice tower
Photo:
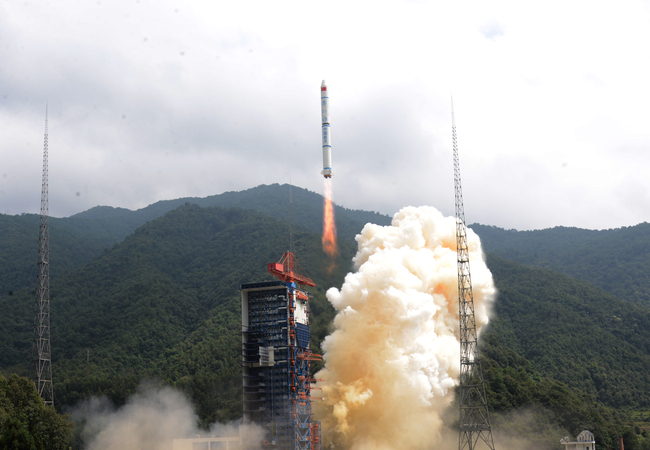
column 474, row 415
column 41, row 355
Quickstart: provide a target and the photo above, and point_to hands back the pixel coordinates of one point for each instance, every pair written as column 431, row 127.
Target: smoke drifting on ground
column 532, row 428
column 152, row 418
column 393, row 360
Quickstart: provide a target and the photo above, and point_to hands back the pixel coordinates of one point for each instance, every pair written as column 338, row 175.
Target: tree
column 28, row 423
column 16, row 435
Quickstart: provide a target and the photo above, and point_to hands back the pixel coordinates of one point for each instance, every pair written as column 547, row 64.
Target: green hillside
column 574, row 333
column 164, row 303
column 538, row 410
column 70, row 247
column 78, row 239
column 617, row 260
column 272, row 200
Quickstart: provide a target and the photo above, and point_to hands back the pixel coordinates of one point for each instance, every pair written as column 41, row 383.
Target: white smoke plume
column 394, row 358
column 151, row 419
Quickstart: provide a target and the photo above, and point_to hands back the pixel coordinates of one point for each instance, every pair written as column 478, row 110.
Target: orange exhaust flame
column 329, row 226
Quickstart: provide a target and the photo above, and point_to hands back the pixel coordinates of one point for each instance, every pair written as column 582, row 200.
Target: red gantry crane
column 288, row 270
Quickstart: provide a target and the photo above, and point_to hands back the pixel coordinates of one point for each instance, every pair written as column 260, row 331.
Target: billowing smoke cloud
column 152, row 418
column 394, row 358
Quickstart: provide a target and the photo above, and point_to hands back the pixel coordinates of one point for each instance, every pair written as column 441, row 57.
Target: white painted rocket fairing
column 327, row 143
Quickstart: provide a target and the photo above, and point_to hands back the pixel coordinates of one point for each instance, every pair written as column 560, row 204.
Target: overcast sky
column 152, row 100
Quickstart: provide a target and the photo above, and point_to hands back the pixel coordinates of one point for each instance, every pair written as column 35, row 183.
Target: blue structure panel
column 302, row 334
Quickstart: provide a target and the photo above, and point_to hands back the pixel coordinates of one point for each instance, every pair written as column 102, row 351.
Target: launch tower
column 41, row 357
column 474, row 415
column 276, row 357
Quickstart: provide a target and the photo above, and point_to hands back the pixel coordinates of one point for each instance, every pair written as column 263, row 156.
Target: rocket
column 327, row 143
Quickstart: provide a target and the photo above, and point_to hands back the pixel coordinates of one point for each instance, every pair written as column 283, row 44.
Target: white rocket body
column 327, row 143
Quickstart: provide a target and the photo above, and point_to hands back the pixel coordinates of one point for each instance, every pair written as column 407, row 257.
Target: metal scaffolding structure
column 474, row 415
column 41, row 367
column 276, row 357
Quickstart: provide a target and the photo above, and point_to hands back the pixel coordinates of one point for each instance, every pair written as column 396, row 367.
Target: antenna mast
column 41, row 355
column 474, row 415
column 291, row 249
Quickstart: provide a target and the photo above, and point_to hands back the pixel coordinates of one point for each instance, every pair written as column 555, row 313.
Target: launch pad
column 276, row 358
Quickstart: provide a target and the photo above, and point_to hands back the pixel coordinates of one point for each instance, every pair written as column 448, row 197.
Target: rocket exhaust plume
column 329, row 225
column 394, row 358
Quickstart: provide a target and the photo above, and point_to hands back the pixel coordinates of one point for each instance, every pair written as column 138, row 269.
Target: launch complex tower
column 276, row 357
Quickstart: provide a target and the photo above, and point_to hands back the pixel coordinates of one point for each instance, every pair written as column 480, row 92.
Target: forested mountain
column 78, row 239
column 69, row 249
column 534, row 410
column 617, row 260
column 574, row 332
column 164, row 303
column 272, row 200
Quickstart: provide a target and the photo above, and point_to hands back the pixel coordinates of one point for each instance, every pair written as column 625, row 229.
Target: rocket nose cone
column 323, row 84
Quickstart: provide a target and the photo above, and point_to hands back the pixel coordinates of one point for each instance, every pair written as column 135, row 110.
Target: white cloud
column 154, row 100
